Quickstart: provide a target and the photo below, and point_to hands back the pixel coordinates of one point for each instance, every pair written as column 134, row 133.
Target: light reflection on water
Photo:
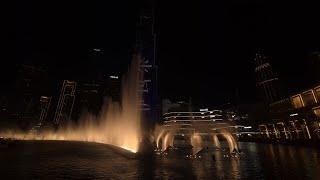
column 78, row 160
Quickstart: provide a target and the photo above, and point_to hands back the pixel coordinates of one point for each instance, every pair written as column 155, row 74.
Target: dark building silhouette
column 312, row 71
column 267, row 82
column 146, row 47
column 89, row 97
column 112, row 87
column 31, row 84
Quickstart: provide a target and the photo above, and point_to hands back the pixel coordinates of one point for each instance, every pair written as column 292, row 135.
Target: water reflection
column 72, row 160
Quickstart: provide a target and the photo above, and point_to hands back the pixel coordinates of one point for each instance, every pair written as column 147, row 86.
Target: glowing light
column 132, row 150
column 114, row 77
column 295, row 114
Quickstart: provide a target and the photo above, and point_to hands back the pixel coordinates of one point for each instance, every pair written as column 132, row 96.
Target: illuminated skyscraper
column 44, row 108
column 66, row 101
column 267, row 82
column 146, row 47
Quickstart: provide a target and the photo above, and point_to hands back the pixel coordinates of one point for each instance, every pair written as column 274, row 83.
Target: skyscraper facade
column 44, row 108
column 65, row 103
column 146, row 48
column 89, row 97
column 267, row 82
column 112, row 87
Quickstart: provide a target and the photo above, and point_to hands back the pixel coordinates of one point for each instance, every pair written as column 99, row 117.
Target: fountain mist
column 167, row 140
column 118, row 123
column 196, row 142
column 216, row 140
column 159, row 134
column 231, row 141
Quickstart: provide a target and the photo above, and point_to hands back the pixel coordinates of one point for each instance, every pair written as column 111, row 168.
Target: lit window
column 317, row 111
column 308, row 98
column 297, row 101
column 317, row 92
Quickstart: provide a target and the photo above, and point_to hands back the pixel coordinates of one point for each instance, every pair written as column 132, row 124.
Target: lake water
column 81, row 160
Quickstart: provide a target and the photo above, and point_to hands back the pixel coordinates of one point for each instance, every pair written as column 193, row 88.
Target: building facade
column 296, row 118
column 65, row 103
column 112, row 87
column 45, row 103
column 146, row 47
column 267, row 82
column 89, row 97
column 202, row 121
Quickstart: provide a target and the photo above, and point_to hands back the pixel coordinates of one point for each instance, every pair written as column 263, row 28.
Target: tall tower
column 146, row 48
column 66, row 101
column 267, row 82
column 44, row 108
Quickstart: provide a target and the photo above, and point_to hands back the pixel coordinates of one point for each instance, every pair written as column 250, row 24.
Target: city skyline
column 155, row 89
column 216, row 47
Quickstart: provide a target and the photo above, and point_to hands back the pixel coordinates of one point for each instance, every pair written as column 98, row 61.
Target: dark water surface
column 80, row 160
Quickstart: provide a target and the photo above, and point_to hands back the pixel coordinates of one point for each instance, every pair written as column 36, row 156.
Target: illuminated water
column 79, row 160
column 167, row 139
column 118, row 123
column 196, row 143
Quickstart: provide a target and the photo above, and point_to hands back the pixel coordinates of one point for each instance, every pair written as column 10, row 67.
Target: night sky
column 205, row 49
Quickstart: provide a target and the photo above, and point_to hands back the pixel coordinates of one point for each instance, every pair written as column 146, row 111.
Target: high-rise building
column 44, row 108
column 267, row 82
column 65, row 103
column 113, row 87
column 89, row 97
column 146, row 47
column 31, row 83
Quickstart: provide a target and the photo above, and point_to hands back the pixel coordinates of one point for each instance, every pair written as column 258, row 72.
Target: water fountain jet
column 233, row 146
column 216, row 140
column 196, row 142
column 118, row 124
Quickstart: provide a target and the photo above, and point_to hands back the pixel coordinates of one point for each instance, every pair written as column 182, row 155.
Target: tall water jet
column 231, row 141
column 167, row 140
column 118, row 124
column 216, row 140
column 196, row 142
column 124, row 124
column 159, row 136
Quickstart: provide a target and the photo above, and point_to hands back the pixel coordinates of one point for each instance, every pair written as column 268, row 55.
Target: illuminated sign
column 114, row 77
column 202, row 110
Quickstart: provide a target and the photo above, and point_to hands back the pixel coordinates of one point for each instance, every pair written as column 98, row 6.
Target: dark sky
column 205, row 49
